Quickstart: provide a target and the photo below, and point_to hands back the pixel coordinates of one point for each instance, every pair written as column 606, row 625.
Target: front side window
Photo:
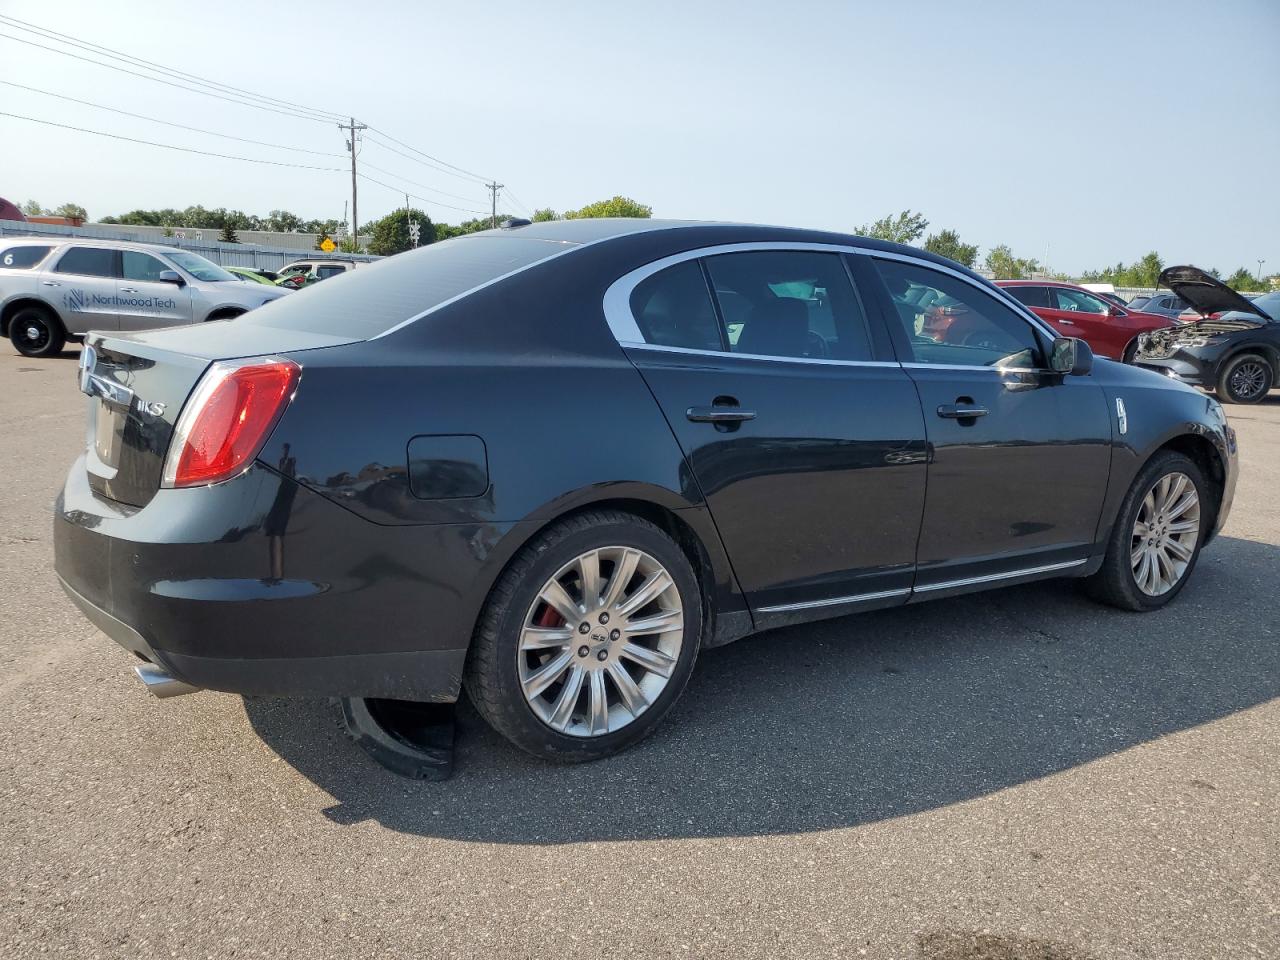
column 673, row 308
column 22, row 258
column 789, row 303
column 141, row 266
column 949, row 321
column 199, row 267
column 1030, row 296
column 1078, row 300
column 88, row 262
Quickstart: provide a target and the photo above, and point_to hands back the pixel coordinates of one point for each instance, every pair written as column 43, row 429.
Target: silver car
column 55, row 289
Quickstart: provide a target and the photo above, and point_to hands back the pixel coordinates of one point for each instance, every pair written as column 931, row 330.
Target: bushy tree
column 1003, row 265
column 32, row 208
column 1242, row 279
column 947, row 244
column 228, row 234
column 614, row 207
column 391, row 234
column 544, row 214
column 72, row 210
column 906, row 227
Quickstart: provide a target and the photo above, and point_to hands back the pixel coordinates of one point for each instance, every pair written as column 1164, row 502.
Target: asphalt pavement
column 1017, row 775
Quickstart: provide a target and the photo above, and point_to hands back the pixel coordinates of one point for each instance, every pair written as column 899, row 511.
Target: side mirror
column 1113, row 310
column 172, row 276
column 1071, row 356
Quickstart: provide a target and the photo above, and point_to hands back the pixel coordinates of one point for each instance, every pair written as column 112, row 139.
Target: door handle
column 51, row 283
column 1067, row 323
column 128, row 289
column 719, row 414
column 961, row 411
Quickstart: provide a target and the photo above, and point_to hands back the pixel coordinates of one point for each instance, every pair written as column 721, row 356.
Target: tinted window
column 786, row 303
column 20, row 258
column 1078, row 300
column 377, row 297
column 949, row 321
column 141, row 266
column 199, row 267
column 673, row 309
column 88, row 262
column 1031, row 296
column 323, row 272
column 1137, row 303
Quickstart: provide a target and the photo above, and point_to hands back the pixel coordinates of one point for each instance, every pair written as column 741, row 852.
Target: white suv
column 55, row 289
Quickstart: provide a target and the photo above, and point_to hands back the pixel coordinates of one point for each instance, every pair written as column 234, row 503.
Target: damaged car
column 1234, row 349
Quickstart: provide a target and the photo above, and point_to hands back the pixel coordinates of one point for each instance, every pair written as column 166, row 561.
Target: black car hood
column 1206, row 293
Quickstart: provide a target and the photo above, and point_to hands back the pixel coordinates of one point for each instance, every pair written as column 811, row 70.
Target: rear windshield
column 370, row 301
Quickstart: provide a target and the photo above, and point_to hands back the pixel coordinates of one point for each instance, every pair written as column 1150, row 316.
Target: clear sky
column 1079, row 133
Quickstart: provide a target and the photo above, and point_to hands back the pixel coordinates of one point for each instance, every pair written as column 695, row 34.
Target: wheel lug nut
column 602, row 655
column 615, row 634
column 584, row 627
column 604, row 618
column 583, row 650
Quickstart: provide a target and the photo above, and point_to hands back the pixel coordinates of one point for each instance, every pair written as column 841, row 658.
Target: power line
column 460, row 170
column 167, row 123
column 169, row 146
column 168, row 83
column 437, row 203
column 443, row 193
column 154, row 66
column 429, row 166
column 518, row 202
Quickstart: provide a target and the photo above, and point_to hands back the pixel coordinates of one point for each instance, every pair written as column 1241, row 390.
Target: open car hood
column 1205, row 293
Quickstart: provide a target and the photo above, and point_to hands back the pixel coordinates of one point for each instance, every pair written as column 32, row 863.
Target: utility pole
column 352, row 130
column 1260, row 263
column 493, row 190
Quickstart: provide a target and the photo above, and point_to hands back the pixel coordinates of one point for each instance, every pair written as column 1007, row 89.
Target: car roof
column 98, row 242
column 598, row 229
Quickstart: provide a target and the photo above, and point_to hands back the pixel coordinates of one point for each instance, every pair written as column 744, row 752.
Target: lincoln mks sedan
column 550, row 463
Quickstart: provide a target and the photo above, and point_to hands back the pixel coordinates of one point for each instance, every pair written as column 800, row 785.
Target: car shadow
column 848, row 721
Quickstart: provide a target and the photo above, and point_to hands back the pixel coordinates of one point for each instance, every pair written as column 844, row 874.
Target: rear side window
column 88, row 262
column 1078, row 301
column 787, row 303
column 323, row 272
column 22, row 258
column 1030, row 296
column 370, row 301
column 673, row 309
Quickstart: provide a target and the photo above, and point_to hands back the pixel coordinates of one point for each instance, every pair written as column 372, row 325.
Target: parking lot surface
column 1018, row 774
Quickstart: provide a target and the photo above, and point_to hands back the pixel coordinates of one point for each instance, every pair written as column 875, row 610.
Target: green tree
column 615, row 207
column 1003, row 265
column 72, row 210
column 906, row 227
column 283, row 221
column 544, row 214
column 228, row 234
column 32, row 208
column 1242, row 279
column 391, row 234
column 947, row 244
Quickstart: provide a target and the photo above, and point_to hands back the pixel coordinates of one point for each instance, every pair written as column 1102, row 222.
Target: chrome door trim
column 994, row 577
column 834, row 601
column 617, row 299
column 721, row 355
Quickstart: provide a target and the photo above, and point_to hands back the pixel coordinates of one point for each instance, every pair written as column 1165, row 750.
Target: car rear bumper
column 226, row 589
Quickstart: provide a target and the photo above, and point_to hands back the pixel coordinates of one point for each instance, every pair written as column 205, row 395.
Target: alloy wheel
column 34, row 335
column 1165, row 534
column 1247, row 379
column 600, row 641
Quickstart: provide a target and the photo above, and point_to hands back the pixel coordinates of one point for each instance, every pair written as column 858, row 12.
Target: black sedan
column 550, row 463
column 1234, row 348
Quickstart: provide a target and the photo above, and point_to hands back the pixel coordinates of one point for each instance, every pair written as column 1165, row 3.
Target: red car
column 1110, row 330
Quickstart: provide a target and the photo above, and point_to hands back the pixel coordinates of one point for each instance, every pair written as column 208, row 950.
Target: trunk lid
column 1207, row 294
column 137, row 384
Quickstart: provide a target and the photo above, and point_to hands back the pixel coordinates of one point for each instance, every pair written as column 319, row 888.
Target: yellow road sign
column 327, row 245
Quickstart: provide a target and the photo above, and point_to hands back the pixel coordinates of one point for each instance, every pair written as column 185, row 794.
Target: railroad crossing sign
column 327, row 245
column 415, row 232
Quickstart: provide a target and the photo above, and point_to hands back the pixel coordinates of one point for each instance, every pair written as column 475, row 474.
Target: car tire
column 575, row 692
column 1125, row 579
column 223, row 315
column 1130, row 352
column 1245, row 378
column 36, row 332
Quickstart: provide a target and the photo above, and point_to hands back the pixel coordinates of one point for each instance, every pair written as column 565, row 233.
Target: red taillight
column 227, row 419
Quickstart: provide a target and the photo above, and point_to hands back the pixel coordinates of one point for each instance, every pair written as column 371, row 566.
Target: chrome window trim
column 993, row 577
column 617, row 298
column 835, row 601
column 721, row 355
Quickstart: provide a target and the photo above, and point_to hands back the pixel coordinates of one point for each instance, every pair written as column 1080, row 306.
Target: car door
column 803, row 434
column 143, row 299
column 80, row 283
column 1018, row 455
column 1080, row 314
